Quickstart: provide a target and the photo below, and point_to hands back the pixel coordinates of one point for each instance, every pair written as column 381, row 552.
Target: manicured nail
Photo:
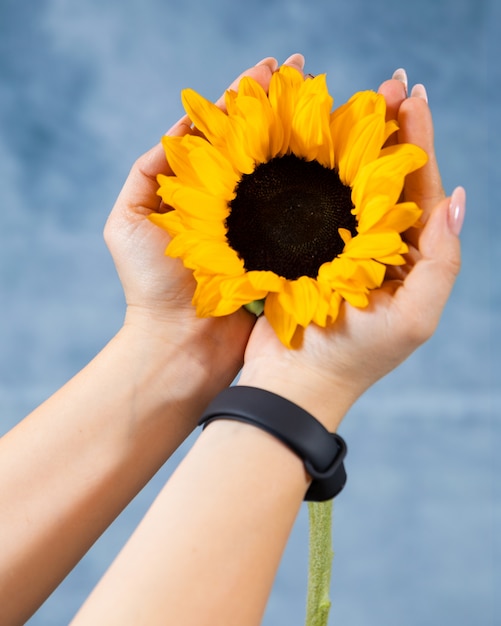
column 457, row 208
column 271, row 62
column 419, row 91
column 401, row 75
column 295, row 59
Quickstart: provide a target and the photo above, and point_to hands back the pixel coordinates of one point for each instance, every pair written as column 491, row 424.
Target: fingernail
column 419, row 91
column 401, row 75
column 271, row 62
column 295, row 59
column 457, row 209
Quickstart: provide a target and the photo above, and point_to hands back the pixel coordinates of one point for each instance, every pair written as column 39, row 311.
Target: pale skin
column 237, row 493
column 70, row 467
column 194, row 559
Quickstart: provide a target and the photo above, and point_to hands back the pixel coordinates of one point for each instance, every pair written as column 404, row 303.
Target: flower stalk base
column 320, row 563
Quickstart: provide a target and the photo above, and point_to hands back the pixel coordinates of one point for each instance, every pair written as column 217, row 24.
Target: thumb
column 428, row 285
column 139, row 192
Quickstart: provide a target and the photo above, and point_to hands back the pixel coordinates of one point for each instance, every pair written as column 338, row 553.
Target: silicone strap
column 322, row 452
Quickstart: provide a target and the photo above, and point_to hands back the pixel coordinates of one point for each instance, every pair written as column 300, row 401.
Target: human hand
column 159, row 289
column 335, row 365
column 424, row 186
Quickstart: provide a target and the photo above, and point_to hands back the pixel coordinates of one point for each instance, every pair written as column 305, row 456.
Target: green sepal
column 256, row 307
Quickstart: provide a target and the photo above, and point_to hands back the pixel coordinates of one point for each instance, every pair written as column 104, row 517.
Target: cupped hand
column 335, row 365
column 159, row 289
column 152, row 282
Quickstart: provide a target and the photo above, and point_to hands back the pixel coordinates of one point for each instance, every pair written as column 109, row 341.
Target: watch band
column 322, row 452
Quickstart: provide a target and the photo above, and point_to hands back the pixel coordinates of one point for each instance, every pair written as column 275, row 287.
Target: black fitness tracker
column 322, row 452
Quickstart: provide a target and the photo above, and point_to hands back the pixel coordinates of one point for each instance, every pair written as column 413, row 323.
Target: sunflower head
column 285, row 204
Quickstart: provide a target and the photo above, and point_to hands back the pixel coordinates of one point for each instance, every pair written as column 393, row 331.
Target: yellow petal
column 170, row 222
column 345, row 235
column 386, row 175
column 264, row 132
column 356, row 298
column 236, row 147
column 300, row 299
column 212, row 228
column 177, row 151
column 250, row 87
column 334, row 306
column 365, row 141
column 203, row 253
column 207, row 294
column 191, row 201
column 230, row 97
column 292, row 75
column 206, row 116
column 259, row 119
column 390, row 127
column 166, row 184
column 355, row 274
column 282, row 105
column 283, row 94
column 216, row 257
column 393, row 259
column 282, row 322
column 214, row 171
column 239, row 291
column 195, row 209
column 379, row 215
column 310, row 122
column 266, row 281
column 345, row 117
column 373, row 245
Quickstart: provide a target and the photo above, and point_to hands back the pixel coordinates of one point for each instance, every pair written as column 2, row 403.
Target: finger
column 394, row 92
column 181, row 127
column 416, row 126
column 140, row 188
column 425, row 185
column 295, row 60
column 139, row 192
column 401, row 76
column 261, row 73
column 422, row 298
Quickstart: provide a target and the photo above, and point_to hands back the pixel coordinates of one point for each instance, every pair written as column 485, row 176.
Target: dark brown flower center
column 286, row 215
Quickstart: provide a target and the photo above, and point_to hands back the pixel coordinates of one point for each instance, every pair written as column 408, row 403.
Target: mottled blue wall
column 87, row 86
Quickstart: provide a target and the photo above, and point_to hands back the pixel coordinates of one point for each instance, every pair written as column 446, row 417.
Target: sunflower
column 281, row 203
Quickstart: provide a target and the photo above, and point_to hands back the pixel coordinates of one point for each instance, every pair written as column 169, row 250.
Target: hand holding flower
column 158, row 289
column 335, row 365
column 279, row 199
column 373, row 325
column 82, row 455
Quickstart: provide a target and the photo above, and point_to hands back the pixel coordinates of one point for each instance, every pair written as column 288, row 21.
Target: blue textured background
column 87, row 86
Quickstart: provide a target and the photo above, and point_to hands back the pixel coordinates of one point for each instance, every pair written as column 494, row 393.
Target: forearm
column 69, row 469
column 208, row 550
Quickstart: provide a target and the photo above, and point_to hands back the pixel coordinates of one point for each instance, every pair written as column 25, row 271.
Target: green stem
column 319, row 572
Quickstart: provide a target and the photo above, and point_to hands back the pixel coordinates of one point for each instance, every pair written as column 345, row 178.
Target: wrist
column 322, row 452
column 252, row 458
column 312, row 390
column 181, row 361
